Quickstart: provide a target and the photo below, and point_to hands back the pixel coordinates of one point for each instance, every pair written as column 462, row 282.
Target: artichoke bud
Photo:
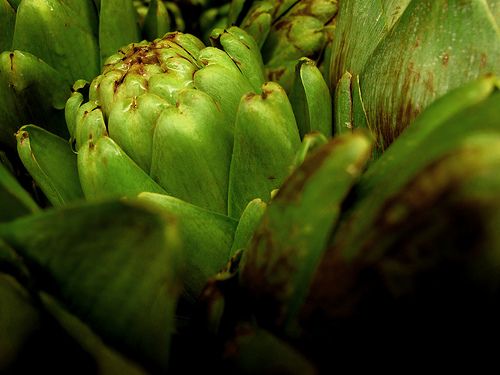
column 293, row 38
column 170, row 108
column 323, row 10
column 286, row 31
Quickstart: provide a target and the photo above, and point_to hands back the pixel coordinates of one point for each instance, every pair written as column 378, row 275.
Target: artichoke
column 178, row 118
column 284, row 30
column 392, row 59
column 47, row 45
column 193, row 131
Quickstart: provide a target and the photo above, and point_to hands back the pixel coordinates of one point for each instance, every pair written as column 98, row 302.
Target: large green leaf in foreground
column 115, row 265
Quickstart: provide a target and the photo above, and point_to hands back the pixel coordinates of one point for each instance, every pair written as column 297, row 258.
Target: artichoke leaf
column 244, row 51
column 257, row 21
column 52, row 163
column 360, row 23
column 225, row 85
column 8, row 17
column 266, row 139
column 280, row 260
column 207, row 238
column 310, row 142
column 132, row 124
column 15, row 201
column 310, row 99
column 192, row 148
column 157, row 21
column 249, row 220
column 106, row 172
column 31, row 92
column 117, row 27
column 115, row 265
column 420, row 259
column 441, row 130
column 61, row 33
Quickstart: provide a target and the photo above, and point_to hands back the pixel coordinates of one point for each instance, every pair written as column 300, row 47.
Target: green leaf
column 51, row 162
column 192, row 148
column 61, row 33
column 207, row 238
column 105, row 171
column 249, row 220
column 115, row 265
column 157, row 21
column 15, row 201
column 310, row 99
column 266, row 139
column 433, row 48
column 117, row 27
column 360, row 23
column 287, row 246
column 32, row 92
column 8, row 17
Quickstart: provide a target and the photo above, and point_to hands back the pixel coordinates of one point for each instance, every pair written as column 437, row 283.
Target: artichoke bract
column 403, row 55
column 168, row 112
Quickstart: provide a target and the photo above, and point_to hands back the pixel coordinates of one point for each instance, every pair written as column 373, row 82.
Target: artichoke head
column 169, row 111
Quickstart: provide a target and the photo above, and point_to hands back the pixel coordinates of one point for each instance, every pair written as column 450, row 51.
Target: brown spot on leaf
column 23, row 138
column 276, row 74
column 11, row 55
column 429, row 82
column 446, row 59
column 249, row 96
column 484, row 60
